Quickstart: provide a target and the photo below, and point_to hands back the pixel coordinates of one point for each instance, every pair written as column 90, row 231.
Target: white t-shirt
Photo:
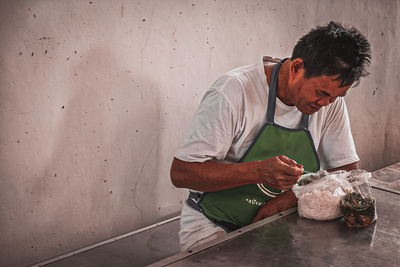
column 234, row 109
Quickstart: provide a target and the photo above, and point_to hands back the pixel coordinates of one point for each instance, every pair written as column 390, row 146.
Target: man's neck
column 283, row 92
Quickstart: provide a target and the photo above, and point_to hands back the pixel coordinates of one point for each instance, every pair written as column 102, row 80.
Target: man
column 259, row 127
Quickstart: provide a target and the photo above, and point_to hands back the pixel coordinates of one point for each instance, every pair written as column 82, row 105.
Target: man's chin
column 308, row 111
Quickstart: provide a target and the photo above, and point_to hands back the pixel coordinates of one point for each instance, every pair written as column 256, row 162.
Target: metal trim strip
column 390, row 190
column 104, row 242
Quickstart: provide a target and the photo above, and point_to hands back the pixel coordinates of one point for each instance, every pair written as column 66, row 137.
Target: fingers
column 286, row 182
column 287, row 160
column 258, row 217
column 291, row 167
column 281, row 172
column 269, row 209
column 281, row 181
column 292, row 171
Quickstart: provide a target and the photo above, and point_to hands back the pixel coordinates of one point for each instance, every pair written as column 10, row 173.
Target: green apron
column 236, row 207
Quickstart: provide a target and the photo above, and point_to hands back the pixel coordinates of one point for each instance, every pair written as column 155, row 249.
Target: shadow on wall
column 107, row 151
column 99, row 180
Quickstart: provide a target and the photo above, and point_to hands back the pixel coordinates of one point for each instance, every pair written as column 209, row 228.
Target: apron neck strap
column 272, row 97
column 304, row 121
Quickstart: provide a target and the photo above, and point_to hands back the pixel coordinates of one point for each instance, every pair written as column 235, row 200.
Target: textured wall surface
column 95, row 97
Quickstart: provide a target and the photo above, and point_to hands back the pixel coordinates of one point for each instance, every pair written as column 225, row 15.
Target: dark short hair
column 334, row 50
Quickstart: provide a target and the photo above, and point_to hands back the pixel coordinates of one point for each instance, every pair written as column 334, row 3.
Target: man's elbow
column 175, row 180
column 176, row 174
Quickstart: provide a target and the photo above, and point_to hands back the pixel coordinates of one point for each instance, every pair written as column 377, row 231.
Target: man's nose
column 323, row 101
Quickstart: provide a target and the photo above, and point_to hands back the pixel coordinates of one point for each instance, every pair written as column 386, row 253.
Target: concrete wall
column 95, row 97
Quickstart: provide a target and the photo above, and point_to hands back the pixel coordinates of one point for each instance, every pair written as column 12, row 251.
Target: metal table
column 288, row 240
column 387, row 178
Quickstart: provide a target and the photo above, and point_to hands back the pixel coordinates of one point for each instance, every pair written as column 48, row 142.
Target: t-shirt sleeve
column 211, row 131
column 337, row 147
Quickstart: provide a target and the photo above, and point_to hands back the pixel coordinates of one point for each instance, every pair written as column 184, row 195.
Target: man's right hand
column 279, row 172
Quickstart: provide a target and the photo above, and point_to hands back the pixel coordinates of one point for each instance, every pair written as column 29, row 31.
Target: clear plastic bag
column 326, row 196
column 358, row 205
column 319, row 194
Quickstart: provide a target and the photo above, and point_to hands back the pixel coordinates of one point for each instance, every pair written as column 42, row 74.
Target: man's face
column 314, row 93
column 310, row 94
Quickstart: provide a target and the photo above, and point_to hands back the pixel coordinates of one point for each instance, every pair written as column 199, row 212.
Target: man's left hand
column 281, row 203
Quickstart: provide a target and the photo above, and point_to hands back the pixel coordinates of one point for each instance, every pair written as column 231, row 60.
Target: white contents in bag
column 319, row 205
column 319, row 194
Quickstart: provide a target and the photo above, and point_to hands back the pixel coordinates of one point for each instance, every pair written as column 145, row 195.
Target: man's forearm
column 281, row 203
column 277, row 172
column 348, row 167
column 211, row 176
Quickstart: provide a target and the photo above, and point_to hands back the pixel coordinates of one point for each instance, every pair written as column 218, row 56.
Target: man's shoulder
column 237, row 78
column 246, row 71
column 238, row 85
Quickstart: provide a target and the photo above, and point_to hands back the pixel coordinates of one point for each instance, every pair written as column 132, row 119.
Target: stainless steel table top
column 288, row 240
column 387, row 178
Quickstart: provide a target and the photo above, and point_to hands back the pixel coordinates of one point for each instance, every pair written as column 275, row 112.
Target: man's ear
column 296, row 69
column 297, row 65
